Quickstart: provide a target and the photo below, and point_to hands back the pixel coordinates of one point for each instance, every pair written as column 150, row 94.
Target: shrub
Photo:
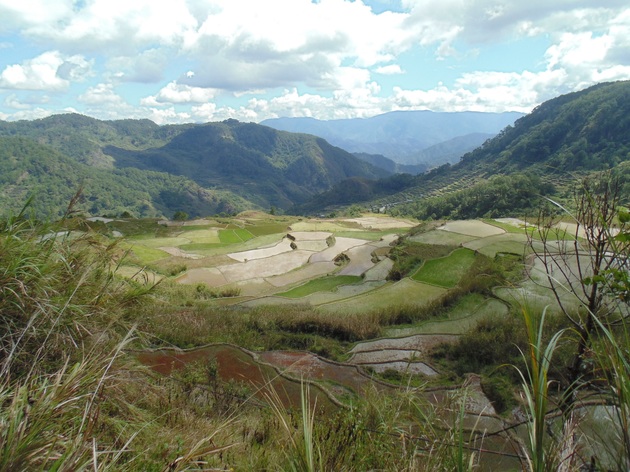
column 180, row 216
column 494, row 341
column 500, row 391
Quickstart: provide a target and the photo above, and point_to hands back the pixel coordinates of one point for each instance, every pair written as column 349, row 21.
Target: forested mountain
column 579, row 132
column 83, row 138
column 587, row 130
column 403, row 135
column 266, row 166
column 151, row 170
column 29, row 169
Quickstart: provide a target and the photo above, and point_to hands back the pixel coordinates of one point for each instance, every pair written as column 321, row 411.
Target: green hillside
column 214, row 168
column 31, row 169
column 82, row 138
column 570, row 135
column 261, row 164
column 587, row 130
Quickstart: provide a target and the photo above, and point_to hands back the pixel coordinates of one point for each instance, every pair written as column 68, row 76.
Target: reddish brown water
column 311, row 367
column 236, row 364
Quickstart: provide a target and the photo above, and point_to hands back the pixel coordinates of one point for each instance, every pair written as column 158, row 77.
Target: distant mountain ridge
column 400, row 135
column 210, row 168
column 582, row 132
column 264, row 165
column 451, row 151
column 378, row 160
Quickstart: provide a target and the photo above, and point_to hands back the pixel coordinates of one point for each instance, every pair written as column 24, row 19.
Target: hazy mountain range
column 407, row 137
column 561, row 139
column 203, row 169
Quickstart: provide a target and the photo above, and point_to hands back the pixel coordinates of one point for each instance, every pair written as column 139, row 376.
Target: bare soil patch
column 321, row 225
column 413, row 368
column 341, row 245
column 177, row 252
column 314, row 246
column 398, row 353
column 267, row 267
column 310, row 235
column 210, row 276
column 262, row 253
column 381, row 222
column 386, row 240
column 379, row 271
column 256, row 287
column 360, row 260
column 472, row 228
column 307, row 272
column 385, row 355
column 419, row 343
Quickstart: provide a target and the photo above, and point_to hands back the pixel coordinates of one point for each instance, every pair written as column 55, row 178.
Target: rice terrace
column 315, row 236
column 380, row 332
column 364, row 303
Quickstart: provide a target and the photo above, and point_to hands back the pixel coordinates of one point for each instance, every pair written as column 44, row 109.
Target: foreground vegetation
column 75, row 397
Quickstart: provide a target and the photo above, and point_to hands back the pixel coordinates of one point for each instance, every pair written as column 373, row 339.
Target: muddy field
column 279, row 260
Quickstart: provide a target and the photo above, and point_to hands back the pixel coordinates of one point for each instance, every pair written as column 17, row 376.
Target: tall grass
column 301, row 451
column 536, row 388
column 612, row 358
column 63, row 327
column 51, row 421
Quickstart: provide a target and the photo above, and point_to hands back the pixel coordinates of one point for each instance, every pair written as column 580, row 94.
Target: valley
column 333, row 315
column 249, row 295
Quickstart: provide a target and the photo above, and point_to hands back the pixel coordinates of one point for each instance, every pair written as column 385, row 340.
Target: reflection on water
column 281, row 371
column 238, row 365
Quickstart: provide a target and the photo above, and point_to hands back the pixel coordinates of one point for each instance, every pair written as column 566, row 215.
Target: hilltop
column 266, row 166
column 139, row 167
column 577, row 133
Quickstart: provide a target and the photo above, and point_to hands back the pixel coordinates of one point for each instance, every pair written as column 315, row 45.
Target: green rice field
column 234, row 236
column 404, row 292
column 323, row 284
column 446, row 271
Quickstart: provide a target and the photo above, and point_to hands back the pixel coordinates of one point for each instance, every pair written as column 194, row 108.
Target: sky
column 182, row 61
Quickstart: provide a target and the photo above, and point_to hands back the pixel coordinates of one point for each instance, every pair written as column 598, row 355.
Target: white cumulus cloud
column 48, row 71
column 390, row 69
column 180, row 93
column 101, row 94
